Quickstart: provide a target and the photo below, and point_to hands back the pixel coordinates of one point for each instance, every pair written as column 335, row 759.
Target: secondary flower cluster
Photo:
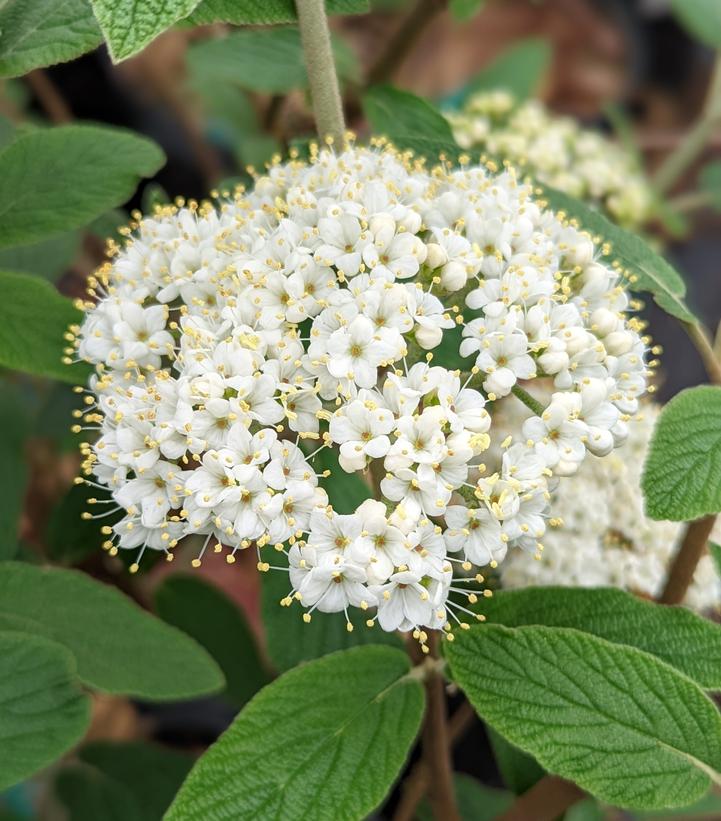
column 558, row 152
column 609, row 542
column 235, row 344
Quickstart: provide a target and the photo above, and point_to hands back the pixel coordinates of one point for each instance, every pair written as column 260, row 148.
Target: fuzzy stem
column 525, row 397
column 694, row 142
column 319, row 63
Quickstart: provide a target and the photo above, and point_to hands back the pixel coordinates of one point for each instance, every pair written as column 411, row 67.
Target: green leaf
column 323, row 742
column 519, row 770
column 463, row 10
column 7, row 128
column 130, row 25
column 264, row 60
column 586, row 810
column 701, row 18
column 251, row 12
column 475, row 801
column 682, row 475
column 70, row 538
column 49, row 259
column 677, row 636
column 519, row 70
column 38, row 33
column 88, row 795
column 291, row 641
column 43, row 711
column 395, row 114
column 52, row 180
column 649, row 271
column 205, row 613
column 715, row 551
column 620, row 723
column 15, row 426
column 709, row 808
column 33, row 320
column 119, row 648
column 151, row 774
column 346, row 491
column 710, row 182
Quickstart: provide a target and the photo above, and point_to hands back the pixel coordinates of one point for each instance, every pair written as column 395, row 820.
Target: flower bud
column 428, row 336
column 437, row 255
column 453, row 276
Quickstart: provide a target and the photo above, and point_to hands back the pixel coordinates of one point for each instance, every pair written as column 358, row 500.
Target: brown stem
column 700, row 338
column 403, row 41
column 545, row 801
column 459, row 722
column 683, row 567
column 50, row 99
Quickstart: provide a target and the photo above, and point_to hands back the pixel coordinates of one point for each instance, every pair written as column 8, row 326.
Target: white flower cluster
column 604, row 538
column 227, row 338
column 558, row 152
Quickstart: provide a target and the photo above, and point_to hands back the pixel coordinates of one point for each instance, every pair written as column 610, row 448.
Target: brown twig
column 50, row 99
column 684, row 564
column 404, row 40
column 546, row 800
column 702, row 342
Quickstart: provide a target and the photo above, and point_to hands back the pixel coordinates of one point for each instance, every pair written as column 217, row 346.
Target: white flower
column 355, row 352
column 362, row 430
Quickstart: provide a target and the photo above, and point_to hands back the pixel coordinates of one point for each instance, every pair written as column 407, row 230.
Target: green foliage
column 207, row 614
column 268, row 60
column 130, row 25
column 710, row 182
column 14, row 425
column 519, row 770
column 475, row 801
column 649, row 271
column 715, row 551
column 708, row 808
column 61, row 178
column 119, row 648
column 252, row 13
column 677, row 636
column 463, row 10
column 38, row 33
column 702, row 19
column 346, row 491
column 397, row 114
column 87, row 795
column 682, row 475
column 43, row 711
column 519, row 70
column 323, row 742
column 48, row 259
column 291, row 641
column 620, row 723
column 33, row 320
column 69, row 537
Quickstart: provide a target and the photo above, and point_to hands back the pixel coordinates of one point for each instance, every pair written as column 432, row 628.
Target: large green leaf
column 323, row 742
column 251, row 12
column 130, row 25
column 119, row 647
column 88, row 795
column 702, row 18
column 15, row 425
column 708, row 808
column 33, row 321
column 290, row 640
column 520, row 70
column 48, row 259
column 43, row 711
column 38, row 33
column 682, row 475
column 395, row 114
column 207, row 614
column 518, row 770
column 52, row 180
column 674, row 634
column 620, row 723
column 648, row 270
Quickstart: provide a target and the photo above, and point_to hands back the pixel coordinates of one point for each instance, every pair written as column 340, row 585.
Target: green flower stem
column 525, row 397
column 319, row 63
column 693, row 144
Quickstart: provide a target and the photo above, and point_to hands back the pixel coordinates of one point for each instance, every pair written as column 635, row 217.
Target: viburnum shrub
column 235, row 340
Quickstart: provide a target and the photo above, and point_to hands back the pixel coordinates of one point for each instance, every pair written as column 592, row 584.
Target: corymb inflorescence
column 364, row 303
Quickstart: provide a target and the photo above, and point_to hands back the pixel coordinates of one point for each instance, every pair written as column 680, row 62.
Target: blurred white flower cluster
column 558, row 152
column 603, row 537
column 234, row 342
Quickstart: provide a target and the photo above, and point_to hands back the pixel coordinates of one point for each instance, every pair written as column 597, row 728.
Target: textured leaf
column 38, row 33
column 702, row 18
column 520, row 69
column 43, row 711
column 52, row 180
column 708, row 808
column 649, row 271
column 682, row 475
column 33, row 320
column 266, row 60
column 119, row 648
column 519, row 770
column 620, row 723
column 207, row 614
column 679, row 637
column 290, row 640
column 49, row 259
column 129, row 25
column 15, row 425
column 395, row 113
column 475, row 801
column 324, row 742
column 251, row 12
